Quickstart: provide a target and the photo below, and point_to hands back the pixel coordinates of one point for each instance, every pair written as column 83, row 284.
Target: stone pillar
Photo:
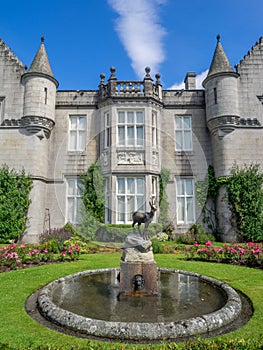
column 138, row 270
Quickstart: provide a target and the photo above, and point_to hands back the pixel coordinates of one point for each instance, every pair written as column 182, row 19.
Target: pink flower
column 208, row 243
column 45, row 250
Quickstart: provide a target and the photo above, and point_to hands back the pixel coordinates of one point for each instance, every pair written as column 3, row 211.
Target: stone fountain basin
column 137, row 331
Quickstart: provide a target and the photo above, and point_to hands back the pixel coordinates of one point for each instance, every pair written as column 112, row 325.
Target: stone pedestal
column 138, row 269
column 138, row 278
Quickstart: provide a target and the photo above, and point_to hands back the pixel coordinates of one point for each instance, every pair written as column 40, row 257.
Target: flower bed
column 247, row 254
column 16, row 256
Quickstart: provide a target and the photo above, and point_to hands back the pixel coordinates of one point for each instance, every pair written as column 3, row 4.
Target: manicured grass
column 18, row 330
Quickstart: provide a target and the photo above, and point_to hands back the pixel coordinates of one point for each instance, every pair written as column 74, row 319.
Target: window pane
column 130, row 134
column 139, row 117
column 121, row 135
column 71, row 209
column 130, row 116
column 187, row 123
column 187, row 140
column 121, row 185
column 121, row 209
column 79, row 210
column 180, row 187
column 82, row 140
column 130, row 208
column 190, row 210
column 180, row 209
column 73, row 122
column 139, row 136
column 179, row 140
column 189, row 187
column 71, row 187
column 140, row 185
column 140, row 205
column 73, row 140
column 121, row 117
column 130, row 186
column 178, row 123
column 82, row 123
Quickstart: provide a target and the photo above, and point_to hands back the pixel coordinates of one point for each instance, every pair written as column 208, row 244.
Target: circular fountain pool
column 187, row 304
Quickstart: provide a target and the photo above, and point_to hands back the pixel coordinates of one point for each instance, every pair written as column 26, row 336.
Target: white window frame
column 79, row 131
column 183, row 199
column 76, row 198
column 136, row 198
column 127, row 126
column 183, row 130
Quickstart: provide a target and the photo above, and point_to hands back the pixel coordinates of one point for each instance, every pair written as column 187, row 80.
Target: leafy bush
column 169, row 229
column 249, row 254
column 16, row 256
column 157, row 247
column 14, row 203
column 196, row 233
column 54, row 238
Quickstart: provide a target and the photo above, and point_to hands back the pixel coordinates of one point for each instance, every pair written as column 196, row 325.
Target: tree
column 15, row 188
column 163, row 202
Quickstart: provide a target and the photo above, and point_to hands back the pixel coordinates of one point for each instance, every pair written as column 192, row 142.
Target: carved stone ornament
column 130, row 158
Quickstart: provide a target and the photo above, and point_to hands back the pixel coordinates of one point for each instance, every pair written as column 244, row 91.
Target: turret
column 40, row 94
column 221, row 85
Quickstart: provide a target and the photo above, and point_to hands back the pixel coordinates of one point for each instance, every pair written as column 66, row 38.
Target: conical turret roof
column 40, row 63
column 220, row 62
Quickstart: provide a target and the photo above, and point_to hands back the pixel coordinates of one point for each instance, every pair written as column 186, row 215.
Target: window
column 130, row 197
column 183, row 133
column 130, row 128
column 106, row 130
column 77, row 133
column 215, row 95
column 107, row 216
column 154, row 129
column 45, row 91
column 154, row 188
column 185, row 201
column 2, row 100
column 74, row 201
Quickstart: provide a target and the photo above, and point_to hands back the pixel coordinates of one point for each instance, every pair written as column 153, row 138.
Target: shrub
column 157, row 247
column 14, row 203
column 54, row 238
column 196, row 233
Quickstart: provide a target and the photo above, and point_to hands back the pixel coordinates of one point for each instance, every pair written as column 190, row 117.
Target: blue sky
column 84, row 38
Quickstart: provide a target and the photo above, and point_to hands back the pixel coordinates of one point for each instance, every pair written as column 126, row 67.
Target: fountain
column 138, row 301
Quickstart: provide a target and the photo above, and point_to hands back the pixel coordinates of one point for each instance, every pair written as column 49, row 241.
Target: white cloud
column 199, row 79
column 140, row 32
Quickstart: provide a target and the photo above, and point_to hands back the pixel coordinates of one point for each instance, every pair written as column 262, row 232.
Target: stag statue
column 140, row 217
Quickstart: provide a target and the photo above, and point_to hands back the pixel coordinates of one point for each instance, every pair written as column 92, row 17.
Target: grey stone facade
column 135, row 129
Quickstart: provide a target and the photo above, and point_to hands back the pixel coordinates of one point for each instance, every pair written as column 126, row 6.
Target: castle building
column 135, row 129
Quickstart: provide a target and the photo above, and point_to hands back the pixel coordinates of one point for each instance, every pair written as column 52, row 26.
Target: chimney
column 189, row 81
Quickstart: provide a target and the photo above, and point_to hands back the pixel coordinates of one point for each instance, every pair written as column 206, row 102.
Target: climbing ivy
column 14, row 203
column 93, row 191
column 245, row 196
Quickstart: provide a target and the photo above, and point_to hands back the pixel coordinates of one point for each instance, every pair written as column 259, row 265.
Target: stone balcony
column 130, row 89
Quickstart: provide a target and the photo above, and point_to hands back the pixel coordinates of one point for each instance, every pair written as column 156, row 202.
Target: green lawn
column 19, row 331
